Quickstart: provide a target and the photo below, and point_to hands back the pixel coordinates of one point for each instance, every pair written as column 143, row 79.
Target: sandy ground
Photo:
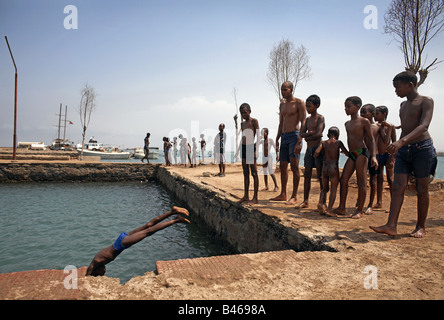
column 367, row 265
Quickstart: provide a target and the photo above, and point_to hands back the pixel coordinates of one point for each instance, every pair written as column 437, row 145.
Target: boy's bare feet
column 303, row 205
column 181, row 219
column 418, row 233
column 377, row 206
column 179, row 210
column 291, row 202
column 340, row 212
column 253, row 201
column 330, row 214
column 357, row 215
column 281, row 197
column 368, row 211
column 385, row 229
column 321, row 209
column 244, row 199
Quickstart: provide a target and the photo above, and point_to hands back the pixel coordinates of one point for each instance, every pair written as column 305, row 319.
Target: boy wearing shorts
column 414, row 153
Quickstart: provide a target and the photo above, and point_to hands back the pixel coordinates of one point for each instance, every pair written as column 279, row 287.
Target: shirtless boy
column 250, row 128
column 126, row 240
column 220, row 149
column 267, row 159
column 368, row 111
column 146, row 147
column 386, row 135
column 292, row 117
column 414, row 153
column 330, row 169
column 358, row 129
column 202, row 147
column 312, row 133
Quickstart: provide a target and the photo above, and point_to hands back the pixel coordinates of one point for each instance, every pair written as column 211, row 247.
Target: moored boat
column 106, row 154
column 139, row 153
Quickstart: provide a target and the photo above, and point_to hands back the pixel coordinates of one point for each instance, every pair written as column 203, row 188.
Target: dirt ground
column 366, row 265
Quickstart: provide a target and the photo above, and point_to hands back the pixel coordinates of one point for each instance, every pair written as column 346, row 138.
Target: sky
column 169, row 67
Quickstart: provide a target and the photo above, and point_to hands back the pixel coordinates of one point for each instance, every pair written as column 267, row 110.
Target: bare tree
column 87, row 106
column 414, row 23
column 288, row 63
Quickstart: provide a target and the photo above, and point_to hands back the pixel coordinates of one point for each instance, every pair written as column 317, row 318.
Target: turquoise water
column 53, row 225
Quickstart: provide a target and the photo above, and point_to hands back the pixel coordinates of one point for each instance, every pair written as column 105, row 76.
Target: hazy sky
column 169, row 67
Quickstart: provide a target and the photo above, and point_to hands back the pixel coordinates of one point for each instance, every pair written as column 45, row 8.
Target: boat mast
column 64, row 130
column 58, row 129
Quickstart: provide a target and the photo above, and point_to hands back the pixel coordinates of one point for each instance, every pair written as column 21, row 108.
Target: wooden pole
column 14, row 153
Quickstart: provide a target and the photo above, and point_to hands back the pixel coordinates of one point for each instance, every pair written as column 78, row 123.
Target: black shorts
column 417, row 158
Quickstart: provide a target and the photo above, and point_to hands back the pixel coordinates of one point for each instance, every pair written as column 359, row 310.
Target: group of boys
column 372, row 145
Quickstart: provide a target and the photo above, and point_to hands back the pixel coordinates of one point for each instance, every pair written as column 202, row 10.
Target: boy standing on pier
column 368, row 111
column 146, row 147
column 250, row 128
column 386, row 136
column 267, row 159
column 330, row 169
column 312, row 133
column 414, row 153
column 220, row 149
column 358, row 130
column 292, row 114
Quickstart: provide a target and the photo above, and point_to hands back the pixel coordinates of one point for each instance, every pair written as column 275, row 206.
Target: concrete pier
column 283, row 252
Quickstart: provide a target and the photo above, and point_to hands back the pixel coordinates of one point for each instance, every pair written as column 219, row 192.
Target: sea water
column 54, row 225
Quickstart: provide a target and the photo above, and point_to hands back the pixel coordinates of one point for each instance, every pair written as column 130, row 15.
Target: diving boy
column 358, row 129
column 126, row 240
column 414, row 153
column 250, row 128
column 312, row 133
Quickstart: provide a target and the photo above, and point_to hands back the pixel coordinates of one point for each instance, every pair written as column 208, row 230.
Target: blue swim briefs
column 117, row 245
column 288, row 142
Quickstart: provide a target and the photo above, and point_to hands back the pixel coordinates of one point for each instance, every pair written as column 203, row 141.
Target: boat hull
column 140, row 154
column 106, row 155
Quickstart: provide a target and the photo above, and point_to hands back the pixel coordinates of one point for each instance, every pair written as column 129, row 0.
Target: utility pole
column 14, row 153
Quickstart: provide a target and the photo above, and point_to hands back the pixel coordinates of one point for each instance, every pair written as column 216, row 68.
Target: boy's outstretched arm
column 318, row 150
column 344, row 149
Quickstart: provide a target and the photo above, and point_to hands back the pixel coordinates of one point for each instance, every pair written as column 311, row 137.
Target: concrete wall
column 242, row 228
column 75, row 172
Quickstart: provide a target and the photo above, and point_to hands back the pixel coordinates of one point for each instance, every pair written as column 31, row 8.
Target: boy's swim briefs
column 355, row 154
column 117, row 245
column 288, row 142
